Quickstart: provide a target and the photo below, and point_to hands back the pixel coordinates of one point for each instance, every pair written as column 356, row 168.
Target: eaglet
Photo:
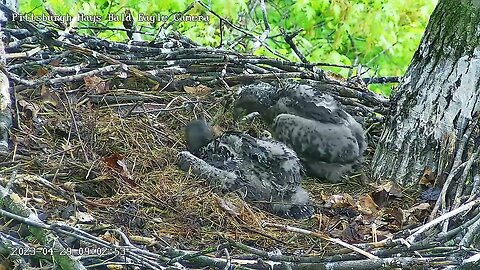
column 327, row 139
column 265, row 172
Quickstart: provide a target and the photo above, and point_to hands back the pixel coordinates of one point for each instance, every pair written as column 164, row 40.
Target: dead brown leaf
column 29, row 110
column 392, row 188
column 111, row 160
column 95, row 83
column 197, row 90
column 228, row 207
column 335, row 76
column 427, row 178
column 109, row 238
column 115, row 163
column 367, row 206
column 54, row 63
column 348, row 232
column 383, row 193
column 42, row 71
column 397, row 215
column 417, row 213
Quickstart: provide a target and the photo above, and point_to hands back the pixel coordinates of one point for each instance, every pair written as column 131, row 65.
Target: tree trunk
column 432, row 128
column 5, row 101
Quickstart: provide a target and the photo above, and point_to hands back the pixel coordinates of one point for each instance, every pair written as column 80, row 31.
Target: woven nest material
column 95, row 137
column 79, row 147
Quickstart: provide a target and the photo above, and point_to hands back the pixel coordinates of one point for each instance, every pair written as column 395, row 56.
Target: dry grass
column 68, row 144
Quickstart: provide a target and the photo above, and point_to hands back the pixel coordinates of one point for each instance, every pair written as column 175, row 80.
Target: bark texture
column 432, row 125
column 5, row 100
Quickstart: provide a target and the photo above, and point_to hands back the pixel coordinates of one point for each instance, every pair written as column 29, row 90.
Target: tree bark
column 5, row 100
column 432, row 127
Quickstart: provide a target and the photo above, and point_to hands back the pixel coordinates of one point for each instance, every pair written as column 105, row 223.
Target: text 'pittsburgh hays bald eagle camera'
column 327, row 139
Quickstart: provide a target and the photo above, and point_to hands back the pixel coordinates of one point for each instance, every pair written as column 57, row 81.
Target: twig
column 412, row 238
column 166, row 25
column 289, row 39
column 74, row 121
column 188, row 256
column 381, row 80
column 241, row 30
column 333, row 240
column 471, row 234
column 461, row 181
column 441, row 201
column 266, row 32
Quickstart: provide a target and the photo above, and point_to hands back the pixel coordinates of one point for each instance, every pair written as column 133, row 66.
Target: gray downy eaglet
column 264, row 172
column 327, row 139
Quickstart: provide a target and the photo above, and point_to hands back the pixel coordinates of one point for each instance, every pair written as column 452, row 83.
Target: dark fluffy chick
column 265, row 172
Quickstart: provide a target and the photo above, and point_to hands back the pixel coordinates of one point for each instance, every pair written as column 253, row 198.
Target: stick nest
column 97, row 128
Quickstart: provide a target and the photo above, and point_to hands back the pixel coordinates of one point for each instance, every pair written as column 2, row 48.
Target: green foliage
column 379, row 34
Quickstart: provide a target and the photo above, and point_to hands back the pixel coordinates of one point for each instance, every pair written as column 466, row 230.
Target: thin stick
column 333, row 240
